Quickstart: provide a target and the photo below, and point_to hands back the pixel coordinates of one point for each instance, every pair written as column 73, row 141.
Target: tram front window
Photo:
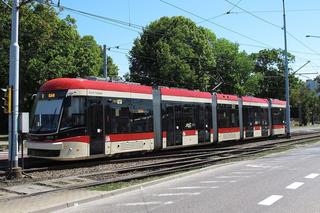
column 73, row 113
column 46, row 116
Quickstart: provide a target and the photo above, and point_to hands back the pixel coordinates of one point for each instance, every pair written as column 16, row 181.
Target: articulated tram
column 77, row 118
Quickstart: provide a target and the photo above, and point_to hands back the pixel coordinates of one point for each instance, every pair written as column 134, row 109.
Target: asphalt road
column 284, row 182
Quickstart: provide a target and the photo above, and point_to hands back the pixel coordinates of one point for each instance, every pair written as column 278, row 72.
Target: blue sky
column 302, row 19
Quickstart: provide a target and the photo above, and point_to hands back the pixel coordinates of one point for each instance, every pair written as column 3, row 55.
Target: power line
column 217, row 16
column 229, row 11
column 104, row 21
column 257, row 17
column 221, row 26
column 303, row 44
column 112, row 21
column 275, row 25
column 278, row 11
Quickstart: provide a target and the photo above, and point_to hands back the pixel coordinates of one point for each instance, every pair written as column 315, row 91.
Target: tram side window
column 73, row 113
column 278, row 116
column 227, row 115
column 169, row 121
column 141, row 116
column 117, row 115
column 264, row 116
column 257, row 115
column 208, row 115
column 188, row 117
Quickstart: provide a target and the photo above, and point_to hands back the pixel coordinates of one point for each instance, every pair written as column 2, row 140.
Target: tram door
column 264, row 122
column 174, row 128
column 248, row 120
column 96, row 126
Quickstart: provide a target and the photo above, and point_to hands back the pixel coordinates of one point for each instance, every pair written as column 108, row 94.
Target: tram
column 76, row 118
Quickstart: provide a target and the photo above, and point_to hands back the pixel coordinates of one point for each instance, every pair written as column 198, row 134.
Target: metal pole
column 14, row 83
column 105, row 62
column 286, row 73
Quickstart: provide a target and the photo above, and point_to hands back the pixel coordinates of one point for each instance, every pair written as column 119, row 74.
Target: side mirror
column 33, row 96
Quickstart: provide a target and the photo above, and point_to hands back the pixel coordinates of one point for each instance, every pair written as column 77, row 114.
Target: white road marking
column 168, row 202
column 214, row 187
column 270, row 200
column 242, row 172
column 312, row 175
column 178, row 194
column 294, row 185
column 141, row 203
column 214, row 181
column 189, row 187
column 225, row 176
column 218, row 181
column 257, row 166
column 253, row 169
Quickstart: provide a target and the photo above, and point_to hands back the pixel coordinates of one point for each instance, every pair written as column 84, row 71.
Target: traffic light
column 6, row 97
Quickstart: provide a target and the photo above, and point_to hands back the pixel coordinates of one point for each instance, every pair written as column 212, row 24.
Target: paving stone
column 29, row 188
column 69, row 181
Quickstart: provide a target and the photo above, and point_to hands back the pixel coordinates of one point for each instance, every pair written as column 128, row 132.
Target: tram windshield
column 46, row 113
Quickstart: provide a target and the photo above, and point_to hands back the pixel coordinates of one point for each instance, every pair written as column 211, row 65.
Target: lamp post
column 286, row 72
column 312, row 36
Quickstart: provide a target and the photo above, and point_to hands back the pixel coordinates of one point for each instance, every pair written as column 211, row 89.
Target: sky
column 253, row 24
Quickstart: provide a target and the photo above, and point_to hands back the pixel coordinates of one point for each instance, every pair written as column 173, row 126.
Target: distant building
column 313, row 85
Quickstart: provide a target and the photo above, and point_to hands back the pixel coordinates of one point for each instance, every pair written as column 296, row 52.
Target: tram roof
column 254, row 99
column 79, row 83
column 228, row 97
column 184, row 93
column 278, row 102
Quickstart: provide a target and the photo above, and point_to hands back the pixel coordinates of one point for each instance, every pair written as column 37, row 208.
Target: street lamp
column 286, row 72
column 312, row 36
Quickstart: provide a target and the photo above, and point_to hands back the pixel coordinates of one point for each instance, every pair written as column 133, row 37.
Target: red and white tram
column 79, row 118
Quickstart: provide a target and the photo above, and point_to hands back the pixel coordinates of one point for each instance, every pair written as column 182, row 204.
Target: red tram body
column 79, row 118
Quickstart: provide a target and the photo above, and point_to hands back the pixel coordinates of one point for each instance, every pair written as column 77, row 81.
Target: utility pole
column 14, row 170
column 105, row 62
column 286, row 73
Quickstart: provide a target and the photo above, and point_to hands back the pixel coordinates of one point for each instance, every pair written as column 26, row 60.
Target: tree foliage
column 50, row 47
column 176, row 52
column 235, row 69
column 173, row 52
column 270, row 63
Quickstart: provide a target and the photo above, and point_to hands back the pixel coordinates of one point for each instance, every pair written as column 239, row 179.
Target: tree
column 113, row 70
column 50, row 47
column 235, row 70
column 270, row 63
column 173, row 52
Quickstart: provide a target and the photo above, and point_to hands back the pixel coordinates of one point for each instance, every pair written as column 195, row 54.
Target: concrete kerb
column 127, row 189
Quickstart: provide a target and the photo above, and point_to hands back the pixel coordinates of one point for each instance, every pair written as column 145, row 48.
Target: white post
column 14, row 83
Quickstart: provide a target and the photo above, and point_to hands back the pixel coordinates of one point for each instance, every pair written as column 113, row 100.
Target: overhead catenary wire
column 223, row 14
column 216, row 24
column 275, row 25
column 129, row 26
column 277, row 11
column 105, row 21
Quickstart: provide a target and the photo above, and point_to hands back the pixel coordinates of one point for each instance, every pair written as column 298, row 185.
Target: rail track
column 187, row 160
column 39, row 165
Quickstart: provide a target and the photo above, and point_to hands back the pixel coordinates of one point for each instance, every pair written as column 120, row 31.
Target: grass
column 125, row 184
